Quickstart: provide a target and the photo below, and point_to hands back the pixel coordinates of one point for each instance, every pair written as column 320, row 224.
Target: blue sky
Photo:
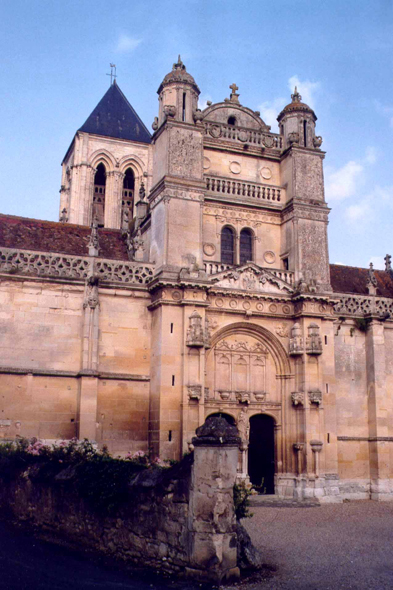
column 55, row 55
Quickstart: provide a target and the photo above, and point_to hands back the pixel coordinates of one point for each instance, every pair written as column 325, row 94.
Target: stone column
column 378, row 418
column 212, row 520
column 316, row 447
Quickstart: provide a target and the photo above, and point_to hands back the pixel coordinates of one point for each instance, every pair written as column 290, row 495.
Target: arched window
column 127, row 198
column 245, row 246
column 231, row 120
column 227, row 245
column 99, row 195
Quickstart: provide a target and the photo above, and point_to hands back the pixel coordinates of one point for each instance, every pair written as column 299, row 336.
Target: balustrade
column 42, row 264
column 243, row 135
column 238, row 188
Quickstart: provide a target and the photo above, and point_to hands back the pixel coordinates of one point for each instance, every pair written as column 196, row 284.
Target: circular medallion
column 215, row 131
column 268, row 141
column 176, row 295
column 206, row 163
column 269, row 257
column 233, row 303
column 322, row 308
column 286, row 309
column 235, row 167
column 259, row 306
column 209, row 249
column 219, row 302
column 266, row 173
column 246, row 305
column 273, row 308
column 242, row 136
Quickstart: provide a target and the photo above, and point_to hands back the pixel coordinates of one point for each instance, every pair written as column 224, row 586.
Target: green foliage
column 241, row 493
column 96, row 476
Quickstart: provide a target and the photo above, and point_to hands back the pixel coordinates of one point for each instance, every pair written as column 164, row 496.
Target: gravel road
column 326, row 547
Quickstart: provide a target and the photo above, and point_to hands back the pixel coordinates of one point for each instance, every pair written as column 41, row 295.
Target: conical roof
column 115, row 117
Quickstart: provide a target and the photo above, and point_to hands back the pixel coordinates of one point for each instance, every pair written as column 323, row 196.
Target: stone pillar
column 212, row 520
column 316, row 447
column 87, row 408
column 378, row 419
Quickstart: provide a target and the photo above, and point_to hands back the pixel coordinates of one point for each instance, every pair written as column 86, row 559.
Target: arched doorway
column 261, row 460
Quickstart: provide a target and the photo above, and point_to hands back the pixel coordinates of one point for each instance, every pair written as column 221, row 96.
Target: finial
column 234, row 97
column 63, row 216
column 93, row 242
column 296, row 96
column 371, row 281
column 179, row 65
column 388, row 263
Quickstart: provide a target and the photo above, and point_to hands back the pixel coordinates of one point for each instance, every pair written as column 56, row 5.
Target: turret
column 178, row 95
column 297, row 123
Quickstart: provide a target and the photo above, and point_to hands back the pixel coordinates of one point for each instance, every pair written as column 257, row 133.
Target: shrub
column 241, row 493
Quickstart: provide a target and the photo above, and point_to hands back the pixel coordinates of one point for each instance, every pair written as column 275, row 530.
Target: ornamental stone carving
column 313, row 340
column 91, row 293
column 93, row 245
column 63, row 216
column 282, row 331
column 243, row 397
column 296, row 341
column 194, row 392
column 317, row 141
column 297, row 398
column 195, row 332
column 169, row 110
column 371, row 281
column 198, row 116
column 315, row 396
column 293, row 138
column 243, row 426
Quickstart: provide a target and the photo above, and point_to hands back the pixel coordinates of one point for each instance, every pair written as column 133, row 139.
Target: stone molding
column 73, row 374
column 366, row 438
column 65, row 266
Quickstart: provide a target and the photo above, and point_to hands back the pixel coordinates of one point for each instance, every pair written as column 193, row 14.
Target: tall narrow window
column 227, row 245
column 127, row 198
column 305, row 133
column 99, row 195
column 184, row 107
column 245, row 246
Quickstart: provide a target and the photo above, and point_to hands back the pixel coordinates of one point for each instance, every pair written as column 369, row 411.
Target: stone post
column 212, row 520
column 316, row 447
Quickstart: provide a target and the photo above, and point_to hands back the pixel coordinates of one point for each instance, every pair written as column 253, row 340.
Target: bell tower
column 177, row 184
column 305, row 216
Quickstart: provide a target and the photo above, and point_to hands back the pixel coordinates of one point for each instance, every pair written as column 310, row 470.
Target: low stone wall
column 181, row 520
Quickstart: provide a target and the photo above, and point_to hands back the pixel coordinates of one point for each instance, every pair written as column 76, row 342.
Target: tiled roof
column 350, row 279
column 115, row 117
column 65, row 238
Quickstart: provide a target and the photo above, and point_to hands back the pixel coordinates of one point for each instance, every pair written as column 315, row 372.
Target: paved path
column 329, row 547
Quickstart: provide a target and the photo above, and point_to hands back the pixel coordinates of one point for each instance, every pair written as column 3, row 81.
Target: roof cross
column 234, row 97
column 113, row 73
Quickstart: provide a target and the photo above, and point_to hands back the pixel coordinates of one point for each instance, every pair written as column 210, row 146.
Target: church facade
column 189, row 276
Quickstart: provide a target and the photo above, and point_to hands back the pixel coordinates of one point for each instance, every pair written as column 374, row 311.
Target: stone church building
column 188, row 276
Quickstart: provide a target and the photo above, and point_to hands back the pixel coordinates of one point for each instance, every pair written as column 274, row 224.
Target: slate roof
column 350, row 279
column 64, row 238
column 115, row 117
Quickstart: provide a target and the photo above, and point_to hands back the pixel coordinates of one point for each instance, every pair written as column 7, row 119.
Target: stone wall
column 180, row 520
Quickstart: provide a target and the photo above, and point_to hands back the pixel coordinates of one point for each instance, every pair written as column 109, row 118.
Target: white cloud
column 342, row 183
column 346, row 181
column 359, row 212
column 270, row 109
column 306, row 88
column 378, row 262
column 203, row 100
column 126, row 44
